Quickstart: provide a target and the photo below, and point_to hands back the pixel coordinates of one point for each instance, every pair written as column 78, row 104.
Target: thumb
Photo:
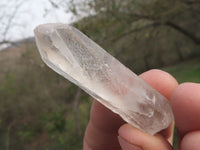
column 131, row 138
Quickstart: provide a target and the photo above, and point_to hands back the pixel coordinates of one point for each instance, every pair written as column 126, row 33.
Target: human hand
column 185, row 102
column 102, row 129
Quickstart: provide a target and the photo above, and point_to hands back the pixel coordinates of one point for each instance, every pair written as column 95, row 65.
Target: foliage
column 148, row 34
column 34, row 114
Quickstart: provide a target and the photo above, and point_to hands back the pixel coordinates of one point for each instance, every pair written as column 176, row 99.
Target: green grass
column 188, row 71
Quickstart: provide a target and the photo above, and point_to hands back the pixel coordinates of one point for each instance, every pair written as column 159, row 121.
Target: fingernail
column 127, row 146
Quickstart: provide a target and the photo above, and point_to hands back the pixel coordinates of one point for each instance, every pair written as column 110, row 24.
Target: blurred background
column 40, row 110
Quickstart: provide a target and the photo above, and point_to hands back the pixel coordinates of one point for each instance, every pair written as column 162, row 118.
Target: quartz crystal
column 79, row 59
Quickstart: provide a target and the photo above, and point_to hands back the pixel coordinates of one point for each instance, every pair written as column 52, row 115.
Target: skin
column 107, row 131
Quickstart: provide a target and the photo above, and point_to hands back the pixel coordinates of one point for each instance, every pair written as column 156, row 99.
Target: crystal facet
column 79, row 59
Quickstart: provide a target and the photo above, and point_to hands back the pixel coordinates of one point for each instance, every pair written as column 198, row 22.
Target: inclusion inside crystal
column 79, row 59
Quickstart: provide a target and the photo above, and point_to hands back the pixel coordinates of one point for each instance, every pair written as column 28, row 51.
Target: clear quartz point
column 79, row 59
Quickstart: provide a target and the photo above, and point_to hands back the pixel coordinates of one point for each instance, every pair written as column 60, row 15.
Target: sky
column 27, row 16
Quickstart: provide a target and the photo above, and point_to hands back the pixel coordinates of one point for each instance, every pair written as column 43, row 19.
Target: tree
column 152, row 30
column 159, row 12
column 8, row 19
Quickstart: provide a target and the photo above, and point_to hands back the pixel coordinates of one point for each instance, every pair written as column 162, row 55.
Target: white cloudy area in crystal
column 79, row 59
